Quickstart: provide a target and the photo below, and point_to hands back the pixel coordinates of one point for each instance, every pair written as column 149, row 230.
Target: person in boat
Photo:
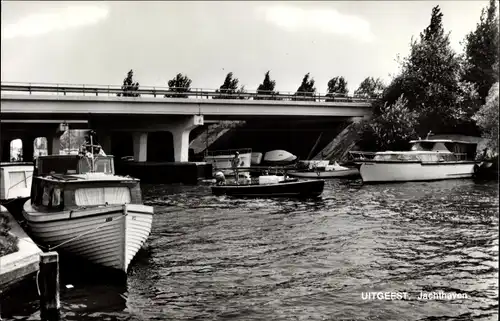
column 235, row 163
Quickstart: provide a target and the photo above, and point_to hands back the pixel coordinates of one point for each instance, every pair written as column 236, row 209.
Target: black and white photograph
column 249, row 160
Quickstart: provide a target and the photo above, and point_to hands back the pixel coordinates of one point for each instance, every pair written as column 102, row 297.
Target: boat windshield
column 418, row 157
column 102, row 195
column 101, row 165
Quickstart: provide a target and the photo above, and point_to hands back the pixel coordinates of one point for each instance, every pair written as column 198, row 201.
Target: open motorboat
column 322, row 169
column 272, row 186
column 78, row 205
column 428, row 159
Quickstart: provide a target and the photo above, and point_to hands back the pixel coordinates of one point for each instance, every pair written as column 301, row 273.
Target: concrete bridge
column 29, row 111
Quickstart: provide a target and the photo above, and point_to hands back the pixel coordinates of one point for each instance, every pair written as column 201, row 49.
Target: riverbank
column 19, row 264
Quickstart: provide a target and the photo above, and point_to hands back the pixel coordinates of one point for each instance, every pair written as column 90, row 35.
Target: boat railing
column 227, row 152
column 360, row 156
column 430, row 156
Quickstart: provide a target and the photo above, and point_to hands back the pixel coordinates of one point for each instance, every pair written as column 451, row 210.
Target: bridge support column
column 5, row 149
column 28, row 148
column 53, row 145
column 140, row 141
column 180, row 132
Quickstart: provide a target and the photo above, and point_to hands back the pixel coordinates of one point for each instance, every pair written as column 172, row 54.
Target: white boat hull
column 109, row 236
column 414, row 171
column 325, row 174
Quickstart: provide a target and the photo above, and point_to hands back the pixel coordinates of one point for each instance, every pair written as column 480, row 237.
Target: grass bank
column 8, row 242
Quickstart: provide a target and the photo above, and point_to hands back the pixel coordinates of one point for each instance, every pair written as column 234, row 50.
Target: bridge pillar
column 180, row 132
column 28, row 148
column 53, row 145
column 140, row 141
column 5, row 149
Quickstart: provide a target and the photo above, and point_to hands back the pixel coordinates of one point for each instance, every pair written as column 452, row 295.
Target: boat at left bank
column 79, row 206
column 15, row 180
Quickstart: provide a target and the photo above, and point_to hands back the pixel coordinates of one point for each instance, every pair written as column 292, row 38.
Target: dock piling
column 48, row 281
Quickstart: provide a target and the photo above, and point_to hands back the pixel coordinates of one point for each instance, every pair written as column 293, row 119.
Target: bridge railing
column 165, row 92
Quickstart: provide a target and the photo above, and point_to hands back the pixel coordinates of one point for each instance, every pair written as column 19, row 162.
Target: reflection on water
column 214, row 258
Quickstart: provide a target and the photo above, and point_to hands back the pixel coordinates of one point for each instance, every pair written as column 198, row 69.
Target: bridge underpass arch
column 160, row 147
column 121, row 145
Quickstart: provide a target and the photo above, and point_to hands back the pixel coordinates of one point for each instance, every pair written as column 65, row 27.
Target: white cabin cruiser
column 428, row 159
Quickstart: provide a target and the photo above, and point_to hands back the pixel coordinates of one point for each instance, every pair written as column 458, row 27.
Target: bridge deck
column 173, row 92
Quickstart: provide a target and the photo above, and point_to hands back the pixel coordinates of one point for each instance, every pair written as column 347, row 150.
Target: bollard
column 48, row 281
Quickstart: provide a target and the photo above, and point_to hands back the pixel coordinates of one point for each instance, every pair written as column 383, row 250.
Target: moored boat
column 323, row 170
column 428, row 159
column 79, row 206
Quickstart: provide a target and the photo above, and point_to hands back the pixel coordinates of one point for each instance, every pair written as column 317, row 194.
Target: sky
column 98, row 42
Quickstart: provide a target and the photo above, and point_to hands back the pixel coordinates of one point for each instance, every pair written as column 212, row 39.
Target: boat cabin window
column 46, row 196
column 56, row 197
column 51, row 197
column 386, row 157
column 101, row 165
column 423, row 146
column 102, row 195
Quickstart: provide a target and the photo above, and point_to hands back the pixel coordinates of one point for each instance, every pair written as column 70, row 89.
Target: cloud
column 294, row 19
column 42, row 23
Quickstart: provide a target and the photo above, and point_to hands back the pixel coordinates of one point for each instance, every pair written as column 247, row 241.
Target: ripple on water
column 215, row 258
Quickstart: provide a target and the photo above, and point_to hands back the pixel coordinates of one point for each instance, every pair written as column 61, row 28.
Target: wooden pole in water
column 48, row 281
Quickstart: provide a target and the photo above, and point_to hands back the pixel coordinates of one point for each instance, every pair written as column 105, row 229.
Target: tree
column 482, row 52
column 306, row 88
column 337, row 87
column 71, row 139
column 229, row 88
column 487, row 118
column 179, row 85
column 370, row 88
column 393, row 128
column 266, row 88
column 129, row 88
column 431, row 81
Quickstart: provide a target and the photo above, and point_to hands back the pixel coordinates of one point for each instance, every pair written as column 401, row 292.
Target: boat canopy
column 463, row 149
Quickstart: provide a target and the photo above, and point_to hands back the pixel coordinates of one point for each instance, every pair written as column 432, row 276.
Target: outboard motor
column 220, row 179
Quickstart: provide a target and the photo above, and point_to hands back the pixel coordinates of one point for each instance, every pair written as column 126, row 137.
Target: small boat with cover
column 322, row 169
column 79, row 206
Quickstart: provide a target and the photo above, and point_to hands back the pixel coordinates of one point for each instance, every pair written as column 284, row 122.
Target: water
column 217, row 258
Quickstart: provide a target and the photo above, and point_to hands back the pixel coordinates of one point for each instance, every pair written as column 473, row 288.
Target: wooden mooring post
column 48, row 281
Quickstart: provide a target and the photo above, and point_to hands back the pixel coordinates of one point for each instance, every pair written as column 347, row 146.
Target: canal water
column 217, row 258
